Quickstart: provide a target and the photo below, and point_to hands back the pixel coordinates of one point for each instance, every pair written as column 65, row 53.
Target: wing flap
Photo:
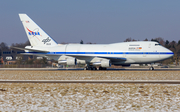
column 115, row 58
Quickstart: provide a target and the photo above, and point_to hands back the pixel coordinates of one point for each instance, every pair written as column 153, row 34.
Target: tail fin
column 36, row 35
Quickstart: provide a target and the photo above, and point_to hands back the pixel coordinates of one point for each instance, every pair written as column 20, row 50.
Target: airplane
column 93, row 56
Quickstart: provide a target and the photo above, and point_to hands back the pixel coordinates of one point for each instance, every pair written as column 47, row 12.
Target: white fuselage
column 119, row 53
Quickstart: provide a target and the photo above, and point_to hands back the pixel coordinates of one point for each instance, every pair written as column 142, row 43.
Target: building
column 11, row 56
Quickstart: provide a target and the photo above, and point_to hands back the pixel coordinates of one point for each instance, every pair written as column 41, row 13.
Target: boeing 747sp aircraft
column 94, row 56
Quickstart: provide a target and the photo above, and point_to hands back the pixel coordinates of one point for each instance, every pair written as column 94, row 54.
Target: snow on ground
column 89, row 97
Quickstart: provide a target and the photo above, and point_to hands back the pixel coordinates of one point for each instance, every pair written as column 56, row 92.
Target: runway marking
column 92, row 81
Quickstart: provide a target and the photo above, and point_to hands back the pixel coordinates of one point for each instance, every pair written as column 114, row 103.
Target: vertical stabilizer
column 36, row 35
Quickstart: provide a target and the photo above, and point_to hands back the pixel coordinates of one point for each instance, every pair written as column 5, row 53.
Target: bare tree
column 146, row 39
column 129, row 39
column 160, row 40
column 4, row 46
column 22, row 45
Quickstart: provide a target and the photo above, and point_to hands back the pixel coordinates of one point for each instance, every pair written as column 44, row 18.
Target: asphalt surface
column 109, row 69
column 92, row 81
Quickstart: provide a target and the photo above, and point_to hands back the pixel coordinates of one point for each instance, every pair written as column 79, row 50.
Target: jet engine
column 68, row 61
column 103, row 63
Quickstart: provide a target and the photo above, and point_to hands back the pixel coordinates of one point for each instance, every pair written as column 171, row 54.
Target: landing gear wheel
column 102, row 68
column 86, row 68
column 151, row 68
column 90, row 68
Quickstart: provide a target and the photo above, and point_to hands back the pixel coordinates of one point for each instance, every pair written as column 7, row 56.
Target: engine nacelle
column 68, row 61
column 103, row 63
column 83, row 62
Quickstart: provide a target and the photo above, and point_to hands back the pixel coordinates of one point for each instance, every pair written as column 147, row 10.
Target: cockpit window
column 157, row 44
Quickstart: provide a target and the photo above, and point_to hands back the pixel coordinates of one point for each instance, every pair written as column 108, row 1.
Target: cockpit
column 158, row 44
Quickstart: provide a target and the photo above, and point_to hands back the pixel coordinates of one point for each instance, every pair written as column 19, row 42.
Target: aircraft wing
column 115, row 58
column 35, row 50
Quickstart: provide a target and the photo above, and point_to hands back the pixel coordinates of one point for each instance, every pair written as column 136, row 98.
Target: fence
column 38, row 66
column 24, row 66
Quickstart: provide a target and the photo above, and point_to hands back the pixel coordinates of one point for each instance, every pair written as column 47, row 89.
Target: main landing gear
column 102, row 68
column 94, row 68
column 90, row 68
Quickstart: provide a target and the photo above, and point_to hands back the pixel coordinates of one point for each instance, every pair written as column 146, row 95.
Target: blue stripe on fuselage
column 103, row 53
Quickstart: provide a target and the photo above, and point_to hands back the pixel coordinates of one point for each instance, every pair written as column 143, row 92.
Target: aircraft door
column 79, row 48
column 144, row 54
column 149, row 45
column 124, row 54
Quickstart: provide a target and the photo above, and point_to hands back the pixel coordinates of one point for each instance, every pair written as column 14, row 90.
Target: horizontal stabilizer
column 35, row 50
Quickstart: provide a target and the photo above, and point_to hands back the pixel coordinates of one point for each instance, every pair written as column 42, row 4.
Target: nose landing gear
column 94, row 68
column 151, row 68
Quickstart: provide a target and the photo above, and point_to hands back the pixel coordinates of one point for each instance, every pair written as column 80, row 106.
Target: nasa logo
column 46, row 40
column 33, row 32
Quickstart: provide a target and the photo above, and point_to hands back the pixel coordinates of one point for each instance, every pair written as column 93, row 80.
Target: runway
column 75, row 69
column 93, row 81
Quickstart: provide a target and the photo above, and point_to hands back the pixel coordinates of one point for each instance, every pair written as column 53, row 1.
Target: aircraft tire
column 151, row 68
column 93, row 68
column 100, row 68
column 85, row 68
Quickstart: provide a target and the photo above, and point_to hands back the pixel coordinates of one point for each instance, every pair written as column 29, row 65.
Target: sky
column 96, row 21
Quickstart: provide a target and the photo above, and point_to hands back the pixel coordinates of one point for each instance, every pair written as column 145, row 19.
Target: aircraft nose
column 170, row 53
